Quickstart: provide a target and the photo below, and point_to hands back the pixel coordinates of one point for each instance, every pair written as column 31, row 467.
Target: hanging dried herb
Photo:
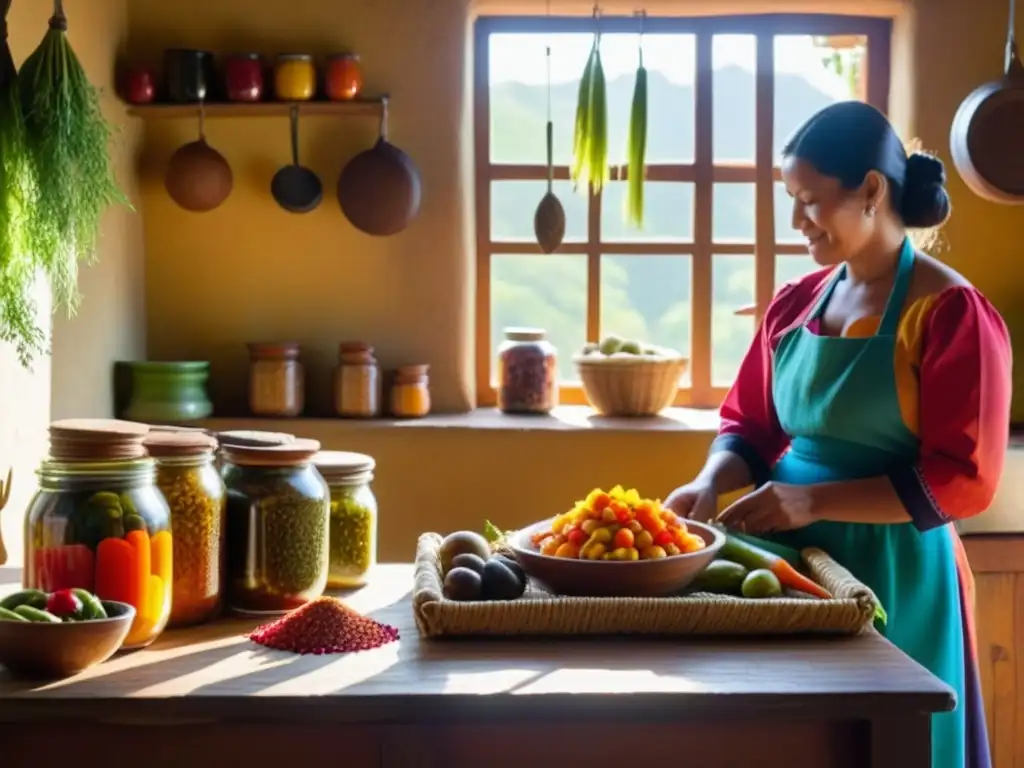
column 68, row 142
column 636, row 151
column 590, row 138
column 18, row 319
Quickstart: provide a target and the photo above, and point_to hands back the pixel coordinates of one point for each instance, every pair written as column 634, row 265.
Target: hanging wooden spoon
column 549, row 219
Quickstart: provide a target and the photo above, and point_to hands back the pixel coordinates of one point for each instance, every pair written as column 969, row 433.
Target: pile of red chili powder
column 325, row 625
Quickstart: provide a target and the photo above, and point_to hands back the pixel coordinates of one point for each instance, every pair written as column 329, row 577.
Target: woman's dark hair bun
column 925, row 202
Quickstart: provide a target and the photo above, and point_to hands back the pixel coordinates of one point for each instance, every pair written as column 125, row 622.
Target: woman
column 873, row 407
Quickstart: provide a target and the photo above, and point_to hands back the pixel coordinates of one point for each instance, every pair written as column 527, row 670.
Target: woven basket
column 630, row 385
column 539, row 612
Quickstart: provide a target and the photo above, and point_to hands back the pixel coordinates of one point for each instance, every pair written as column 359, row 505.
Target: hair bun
column 924, row 170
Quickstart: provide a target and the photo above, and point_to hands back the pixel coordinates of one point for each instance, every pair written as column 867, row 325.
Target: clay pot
column 198, row 177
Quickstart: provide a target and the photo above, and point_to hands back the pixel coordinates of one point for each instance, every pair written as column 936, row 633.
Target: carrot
column 141, row 569
column 115, row 572
column 752, row 557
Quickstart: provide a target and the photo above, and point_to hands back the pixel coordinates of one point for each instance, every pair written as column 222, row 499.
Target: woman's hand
column 772, row 507
column 697, row 501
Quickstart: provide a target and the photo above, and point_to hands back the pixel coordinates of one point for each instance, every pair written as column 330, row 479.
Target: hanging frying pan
column 296, row 188
column 379, row 189
column 987, row 136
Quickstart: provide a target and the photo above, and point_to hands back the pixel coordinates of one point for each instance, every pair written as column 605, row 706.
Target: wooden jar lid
column 298, row 451
column 273, row 350
column 339, row 466
column 97, row 440
column 168, row 444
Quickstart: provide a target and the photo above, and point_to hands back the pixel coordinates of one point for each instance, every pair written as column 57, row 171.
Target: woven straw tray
column 540, row 612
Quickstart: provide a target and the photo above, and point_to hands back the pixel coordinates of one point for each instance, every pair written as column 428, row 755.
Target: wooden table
column 207, row 696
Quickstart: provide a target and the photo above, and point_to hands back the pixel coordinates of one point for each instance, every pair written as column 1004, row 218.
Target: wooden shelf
column 361, row 108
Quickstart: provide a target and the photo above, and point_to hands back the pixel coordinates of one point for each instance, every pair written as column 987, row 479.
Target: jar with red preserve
column 243, row 77
column 343, row 80
column 99, row 522
column 278, row 517
column 527, row 372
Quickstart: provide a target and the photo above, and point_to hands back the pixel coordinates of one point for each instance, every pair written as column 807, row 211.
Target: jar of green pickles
column 278, row 512
column 353, row 516
column 190, row 483
column 98, row 522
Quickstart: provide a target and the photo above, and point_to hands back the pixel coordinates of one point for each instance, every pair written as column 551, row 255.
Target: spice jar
column 278, row 512
column 527, row 372
column 243, row 77
column 343, row 80
column 295, row 77
column 189, row 75
column 98, row 522
column 353, row 516
column 277, row 380
column 410, row 392
column 357, row 385
column 194, row 491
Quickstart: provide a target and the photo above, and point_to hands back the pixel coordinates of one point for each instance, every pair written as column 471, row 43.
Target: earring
column 870, row 211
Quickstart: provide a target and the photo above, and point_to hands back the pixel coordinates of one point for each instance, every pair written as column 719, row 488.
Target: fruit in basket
column 720, row 577
column 463, row 584
column 462, row 543
column 613, row 347
column 469, row 560
column 515, row 567
column 500, row 582
column 617, row 525
column 761, row 583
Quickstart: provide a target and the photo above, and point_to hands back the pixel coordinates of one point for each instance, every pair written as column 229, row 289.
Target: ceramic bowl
column 54, row 651
column 608, row 578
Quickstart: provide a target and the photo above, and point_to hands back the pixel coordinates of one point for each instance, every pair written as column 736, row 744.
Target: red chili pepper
column 662, row 538
column 623, row 515
column 66, row 567
column 63, row 603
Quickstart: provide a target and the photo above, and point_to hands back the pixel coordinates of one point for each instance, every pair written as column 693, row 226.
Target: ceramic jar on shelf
column 295, row 77
column 357, row 381
column 410, row 392
column 527, row 372
column 277, row 379
column 343, row 79
column 243, row 77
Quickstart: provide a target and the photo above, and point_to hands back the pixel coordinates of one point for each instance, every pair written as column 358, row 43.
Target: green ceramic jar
column 169, row 392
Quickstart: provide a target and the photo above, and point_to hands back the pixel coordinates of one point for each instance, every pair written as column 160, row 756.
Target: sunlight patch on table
column 310, row 676
column 497, row 681
column 589, row 681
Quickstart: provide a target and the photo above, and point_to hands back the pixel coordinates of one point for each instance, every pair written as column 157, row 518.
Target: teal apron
column 836, row 398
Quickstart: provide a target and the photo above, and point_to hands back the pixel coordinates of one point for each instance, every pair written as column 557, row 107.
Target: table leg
column 902, row 742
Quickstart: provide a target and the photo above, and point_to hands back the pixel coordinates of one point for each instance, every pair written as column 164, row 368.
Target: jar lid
column 273, row 350
column 253, row 437
column 295, row 56
column 297, row 452
column 97, row 439
column 525, row 334
column 339, row 466
column 166, row 444
column 411, row 374
column 343, row 55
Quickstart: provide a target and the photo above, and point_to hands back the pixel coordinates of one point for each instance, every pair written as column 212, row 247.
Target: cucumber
column 92, row 608
column 720, row 577
column 34, row 614
column 6, row 615
column 34, row 597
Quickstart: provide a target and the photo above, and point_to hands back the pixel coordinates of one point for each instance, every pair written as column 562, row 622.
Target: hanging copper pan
column 987, row 137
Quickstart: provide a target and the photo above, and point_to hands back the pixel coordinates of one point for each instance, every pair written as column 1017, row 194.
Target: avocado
column 630, row 347
column 469, row 560
column 462, row 584
column 462, row 543
column 513, row 566
column 500, row 582
column 721, row 577
column 610, row 344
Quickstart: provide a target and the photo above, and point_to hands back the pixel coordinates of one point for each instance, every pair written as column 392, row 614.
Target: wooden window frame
column 703, row 172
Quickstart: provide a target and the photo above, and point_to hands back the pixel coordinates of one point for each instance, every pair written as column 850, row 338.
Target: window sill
column 567, row 418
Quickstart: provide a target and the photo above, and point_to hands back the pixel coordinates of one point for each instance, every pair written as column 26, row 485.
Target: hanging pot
column 987, row 136
column 379, row 189
column 198, row 177
column 296, row 188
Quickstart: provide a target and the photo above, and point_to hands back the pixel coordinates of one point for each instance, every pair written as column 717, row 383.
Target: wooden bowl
column 631, row 385
column 609, row 578
column 53, row 651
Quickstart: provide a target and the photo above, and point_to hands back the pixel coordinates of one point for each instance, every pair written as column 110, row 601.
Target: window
column 724, row 93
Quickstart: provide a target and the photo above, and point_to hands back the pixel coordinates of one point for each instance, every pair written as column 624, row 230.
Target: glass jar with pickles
column 189, row 481
column 353, row 532
column 98, row 522
column 278, row 512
